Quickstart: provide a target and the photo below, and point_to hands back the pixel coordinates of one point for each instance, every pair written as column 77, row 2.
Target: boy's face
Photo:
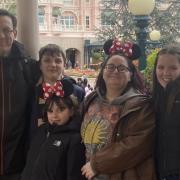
column 59, row 116
column 52, row 67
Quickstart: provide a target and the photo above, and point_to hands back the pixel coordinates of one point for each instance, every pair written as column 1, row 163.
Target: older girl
column 167, row 105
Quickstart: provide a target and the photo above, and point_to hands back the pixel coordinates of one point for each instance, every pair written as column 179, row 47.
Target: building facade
column 69, row 23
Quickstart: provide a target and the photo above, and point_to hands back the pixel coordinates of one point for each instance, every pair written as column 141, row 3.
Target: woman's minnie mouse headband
column 129, row 49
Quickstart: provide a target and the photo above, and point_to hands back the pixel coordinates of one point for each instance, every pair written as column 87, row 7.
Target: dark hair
column 136, row 78
column 69, row 102
column 4, row 12
column 171, row 50
column 51, row 49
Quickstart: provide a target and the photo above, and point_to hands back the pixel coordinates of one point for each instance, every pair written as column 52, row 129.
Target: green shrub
column 148, row 72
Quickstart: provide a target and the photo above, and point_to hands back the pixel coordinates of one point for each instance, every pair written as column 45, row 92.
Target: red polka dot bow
column 50, row 90
column 124, row 47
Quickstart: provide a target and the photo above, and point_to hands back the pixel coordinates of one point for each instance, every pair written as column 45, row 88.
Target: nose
column 53, row 63
column 166, row 72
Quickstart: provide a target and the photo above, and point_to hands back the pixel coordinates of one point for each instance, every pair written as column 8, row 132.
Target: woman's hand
column 87, row 171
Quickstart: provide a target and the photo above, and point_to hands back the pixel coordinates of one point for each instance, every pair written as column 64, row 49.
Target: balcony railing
column 61, row 28
column 51, row 1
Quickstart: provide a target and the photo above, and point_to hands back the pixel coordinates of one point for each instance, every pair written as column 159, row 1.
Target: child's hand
column 87, row 171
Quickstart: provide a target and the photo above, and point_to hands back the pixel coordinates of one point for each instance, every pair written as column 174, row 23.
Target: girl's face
column 58, row 115
column 52, row 67
column 167, row 69
column 116, row 72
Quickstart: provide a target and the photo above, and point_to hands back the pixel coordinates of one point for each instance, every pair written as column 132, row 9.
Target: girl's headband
column 61, row 88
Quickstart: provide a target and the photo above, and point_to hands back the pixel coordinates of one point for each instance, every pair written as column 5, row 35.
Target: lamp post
column 141, row 10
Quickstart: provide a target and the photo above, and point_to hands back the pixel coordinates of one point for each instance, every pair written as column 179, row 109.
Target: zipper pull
column 47, row 135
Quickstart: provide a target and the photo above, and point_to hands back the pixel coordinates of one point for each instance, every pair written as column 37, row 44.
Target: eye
column 122, row 68
column 59, row 60
column 47, row 60
column 159, row 67
column 173, row 67
column 110, row 66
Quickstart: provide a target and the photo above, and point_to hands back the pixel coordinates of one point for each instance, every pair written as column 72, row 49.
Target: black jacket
column 168, row 130
column 16, row 82
column 56, row 153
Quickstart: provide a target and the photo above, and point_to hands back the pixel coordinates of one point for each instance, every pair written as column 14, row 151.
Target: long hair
column 136, row 78
column 157, row 88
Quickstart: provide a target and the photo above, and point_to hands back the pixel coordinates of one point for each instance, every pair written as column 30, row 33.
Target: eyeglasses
column 112, row 67
column 6, row 31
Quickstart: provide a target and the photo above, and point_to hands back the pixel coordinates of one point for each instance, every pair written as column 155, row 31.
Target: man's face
column 7, row 35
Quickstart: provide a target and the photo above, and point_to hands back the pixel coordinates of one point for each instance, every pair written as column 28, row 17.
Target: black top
column 56, row 153
column 168, row 130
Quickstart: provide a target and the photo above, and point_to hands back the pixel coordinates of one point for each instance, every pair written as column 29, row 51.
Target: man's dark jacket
column 16, row 84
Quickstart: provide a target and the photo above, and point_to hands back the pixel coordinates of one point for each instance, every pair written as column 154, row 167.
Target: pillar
column 28, row 28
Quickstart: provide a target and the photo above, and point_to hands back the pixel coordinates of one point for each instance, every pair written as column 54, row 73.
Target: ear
column 15, row 33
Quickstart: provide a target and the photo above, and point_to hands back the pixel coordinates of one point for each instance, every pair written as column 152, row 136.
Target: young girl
column 56, row 152
column 166, row 92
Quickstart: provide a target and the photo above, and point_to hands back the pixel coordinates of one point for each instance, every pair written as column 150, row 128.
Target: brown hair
column 51, row 49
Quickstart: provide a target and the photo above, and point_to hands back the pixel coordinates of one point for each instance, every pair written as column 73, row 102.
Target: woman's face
column 116, row 73
column 52, row 67
column 167, row 69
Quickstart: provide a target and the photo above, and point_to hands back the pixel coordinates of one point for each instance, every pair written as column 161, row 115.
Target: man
column 15, row 86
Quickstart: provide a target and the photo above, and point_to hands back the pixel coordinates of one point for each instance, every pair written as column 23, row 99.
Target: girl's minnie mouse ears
column 129, row 49
column 67, row 87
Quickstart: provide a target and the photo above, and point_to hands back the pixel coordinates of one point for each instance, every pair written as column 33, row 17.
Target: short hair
column 51, row 49
column 4, row 12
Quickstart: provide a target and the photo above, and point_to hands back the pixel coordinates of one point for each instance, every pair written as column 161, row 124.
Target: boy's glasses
column 112, row 67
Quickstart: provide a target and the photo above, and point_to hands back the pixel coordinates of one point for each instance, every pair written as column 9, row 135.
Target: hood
column 131, row 100
column 131, row 93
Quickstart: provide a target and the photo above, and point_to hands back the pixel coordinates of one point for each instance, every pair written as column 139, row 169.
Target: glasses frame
column 6, row 31
column 112, row 68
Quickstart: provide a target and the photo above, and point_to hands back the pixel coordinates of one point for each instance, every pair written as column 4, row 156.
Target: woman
column 166, row 92
column 118, row 126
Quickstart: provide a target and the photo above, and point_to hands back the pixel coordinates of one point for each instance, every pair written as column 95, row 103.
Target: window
column 68, row 2
column 41, row 19
column 67, row 21
column 87, row 22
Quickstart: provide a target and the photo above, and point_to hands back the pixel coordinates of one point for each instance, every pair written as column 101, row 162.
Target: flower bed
column 90, row 73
